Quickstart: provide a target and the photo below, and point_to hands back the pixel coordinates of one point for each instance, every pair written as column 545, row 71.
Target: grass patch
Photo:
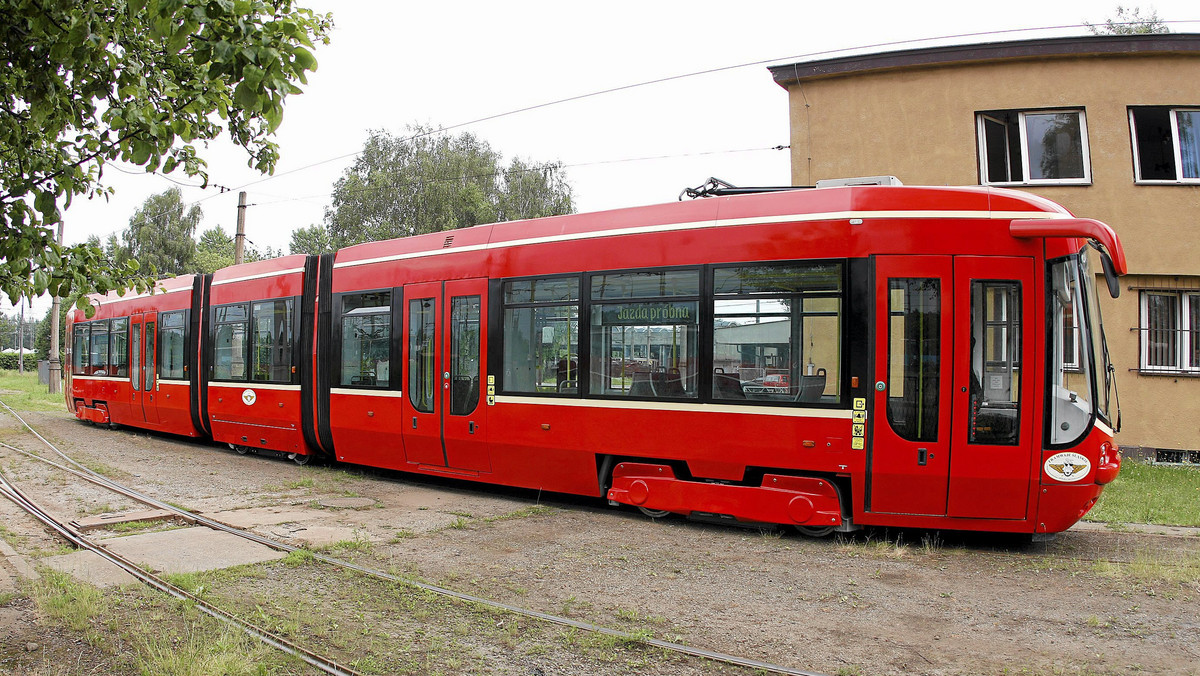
column 360, row 544
column 298, row 557
column 300, row 483
column 199, row 652
column 23, row 393
column 1157, row 494
column 1181, row 568
column 523, row 513
column 67, row 602
column 402, row 534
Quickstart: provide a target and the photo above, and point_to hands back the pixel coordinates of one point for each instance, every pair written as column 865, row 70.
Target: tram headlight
column 1109, row 463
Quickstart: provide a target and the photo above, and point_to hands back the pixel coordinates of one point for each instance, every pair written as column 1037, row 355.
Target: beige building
column 1108, row 126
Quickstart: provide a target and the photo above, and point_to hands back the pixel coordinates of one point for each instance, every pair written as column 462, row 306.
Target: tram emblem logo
column 249, row 397
column 1067, row 467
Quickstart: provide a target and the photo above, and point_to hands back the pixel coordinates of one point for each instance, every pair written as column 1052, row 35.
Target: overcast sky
column 390, row 64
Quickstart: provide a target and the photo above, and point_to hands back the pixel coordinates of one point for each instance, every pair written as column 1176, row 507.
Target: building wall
column 919, row 124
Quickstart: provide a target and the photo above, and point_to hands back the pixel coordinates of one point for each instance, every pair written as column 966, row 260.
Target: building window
column 1166, row 143
column 1170, row 332
column 1033, row 147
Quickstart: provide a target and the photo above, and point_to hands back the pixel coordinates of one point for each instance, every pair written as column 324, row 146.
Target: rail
column 101, row 480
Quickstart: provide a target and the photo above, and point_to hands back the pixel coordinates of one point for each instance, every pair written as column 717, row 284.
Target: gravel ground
column 1092, row 601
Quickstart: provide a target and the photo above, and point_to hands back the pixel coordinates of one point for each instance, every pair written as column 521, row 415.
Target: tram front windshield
column 1078, row 363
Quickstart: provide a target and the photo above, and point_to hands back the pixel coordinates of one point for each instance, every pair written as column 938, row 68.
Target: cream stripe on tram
column 641, row 405
column 718, row 223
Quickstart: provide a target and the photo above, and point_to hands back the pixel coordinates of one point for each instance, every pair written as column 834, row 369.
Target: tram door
column 143, row 371
column 910, row 449
column 953, row 431
column 444, row 358
column 993, row 461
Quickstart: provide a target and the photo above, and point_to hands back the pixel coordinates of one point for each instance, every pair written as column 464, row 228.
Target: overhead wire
column 650, row 82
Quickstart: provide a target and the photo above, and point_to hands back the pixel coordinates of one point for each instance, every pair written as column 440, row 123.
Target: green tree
column 146, row 82
column 216, row 248
column 313, row 240
column 432, row 181
column 159, row 236
column 215, row 251
column 1129, row 21
column 42, row 340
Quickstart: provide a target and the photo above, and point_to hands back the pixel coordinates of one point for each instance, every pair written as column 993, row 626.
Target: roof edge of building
column 1074, row 46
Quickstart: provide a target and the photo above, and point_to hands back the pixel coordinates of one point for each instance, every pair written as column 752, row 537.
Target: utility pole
column 21, row 340
column 239, row 241
column 55, row 365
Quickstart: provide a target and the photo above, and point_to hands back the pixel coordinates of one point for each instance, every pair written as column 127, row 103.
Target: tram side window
column 541, row 335
column 273, row 341
column 80, row 349
column 777, row 332
column 118, row 348
column 230, row 347
column 171, row 336
column 914, row 357
column 366, row 339
column 995, row 363
column 644, row 336
column 98, row 362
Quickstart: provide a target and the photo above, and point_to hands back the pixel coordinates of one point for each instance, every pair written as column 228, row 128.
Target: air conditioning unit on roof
column 861, row 180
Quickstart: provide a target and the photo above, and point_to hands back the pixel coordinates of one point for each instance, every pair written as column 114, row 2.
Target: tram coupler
column 807, row 501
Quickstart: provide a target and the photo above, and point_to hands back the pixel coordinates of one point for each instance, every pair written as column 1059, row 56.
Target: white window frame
column 1176, row 147
column 1183, row 362
column 981, row 142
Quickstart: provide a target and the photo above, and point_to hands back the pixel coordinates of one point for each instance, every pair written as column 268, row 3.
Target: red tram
column 827, row 358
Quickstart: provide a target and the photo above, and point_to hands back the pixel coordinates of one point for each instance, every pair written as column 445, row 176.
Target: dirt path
column 1092, row 601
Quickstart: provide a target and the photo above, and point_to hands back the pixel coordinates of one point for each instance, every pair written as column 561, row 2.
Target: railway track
column 320, row 662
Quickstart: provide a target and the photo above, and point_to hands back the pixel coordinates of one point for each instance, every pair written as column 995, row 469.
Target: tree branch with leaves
column 144, row 82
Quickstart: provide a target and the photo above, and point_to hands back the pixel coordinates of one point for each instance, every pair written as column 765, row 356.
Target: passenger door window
column 914, row 357
column 422, row 354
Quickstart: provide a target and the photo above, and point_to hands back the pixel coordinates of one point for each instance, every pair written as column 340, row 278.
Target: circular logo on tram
column 249, row 397
column 1067, row 467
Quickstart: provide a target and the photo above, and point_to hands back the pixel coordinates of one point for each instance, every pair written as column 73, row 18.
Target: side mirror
column 1110, row 274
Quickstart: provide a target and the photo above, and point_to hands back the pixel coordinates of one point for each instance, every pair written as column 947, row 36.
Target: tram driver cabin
column 826, row 358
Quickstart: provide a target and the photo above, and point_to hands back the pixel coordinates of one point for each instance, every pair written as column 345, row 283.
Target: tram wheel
column 654, row 513
column 300, row 459
column 242, row 450
column 815, row 531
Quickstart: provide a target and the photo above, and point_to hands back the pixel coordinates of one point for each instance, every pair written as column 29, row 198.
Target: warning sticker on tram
column 858, row 443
